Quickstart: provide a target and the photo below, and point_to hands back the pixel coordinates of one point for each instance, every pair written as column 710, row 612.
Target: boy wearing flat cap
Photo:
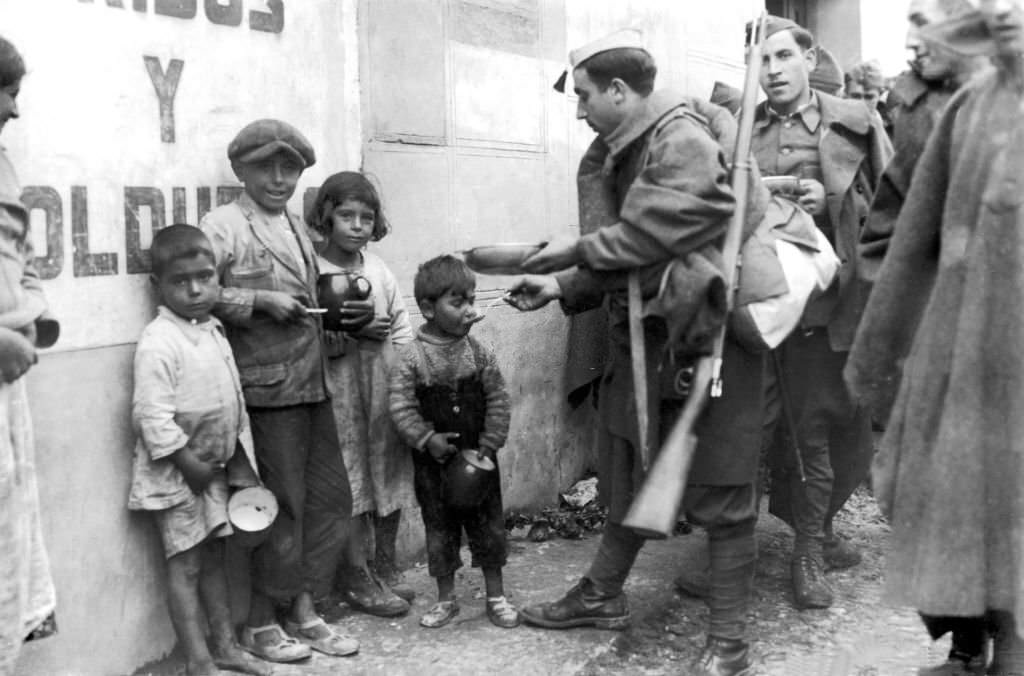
column 655, row 198
column 268, row 273
column 838, row 148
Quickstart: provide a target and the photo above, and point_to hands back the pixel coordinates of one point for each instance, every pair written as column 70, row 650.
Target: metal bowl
column 251, row 512
column 500, row 259
column 782, row 185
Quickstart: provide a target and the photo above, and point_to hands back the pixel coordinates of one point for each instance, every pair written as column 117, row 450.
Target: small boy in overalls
column 448, row 395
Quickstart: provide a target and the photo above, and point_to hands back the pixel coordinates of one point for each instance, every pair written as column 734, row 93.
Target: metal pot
column 467, row 476
column 334, row 288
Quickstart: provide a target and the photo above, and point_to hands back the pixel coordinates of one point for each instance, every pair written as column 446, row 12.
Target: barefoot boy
column 193, row 443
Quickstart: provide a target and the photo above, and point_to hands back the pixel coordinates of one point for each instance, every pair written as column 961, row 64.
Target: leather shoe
column 361, row 591
column 810, row 588
column 839, row 553
column 723, row 657
column 581, row 606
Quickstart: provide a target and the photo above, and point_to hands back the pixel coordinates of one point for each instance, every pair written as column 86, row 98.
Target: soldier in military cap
column 654, row 194
column 838, row 149
column 268, row 273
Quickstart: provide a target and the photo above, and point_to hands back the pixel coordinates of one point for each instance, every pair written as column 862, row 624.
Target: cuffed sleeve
column 153, row 403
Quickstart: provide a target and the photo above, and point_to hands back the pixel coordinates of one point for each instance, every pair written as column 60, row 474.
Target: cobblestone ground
column 859, row 636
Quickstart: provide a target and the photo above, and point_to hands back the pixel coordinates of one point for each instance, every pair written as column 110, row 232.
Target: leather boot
column 581, row 606
column 810, row 588
column 1008, row 646
column 839, row 553
column 723, row 657
column 361, row 591
column 384, row 566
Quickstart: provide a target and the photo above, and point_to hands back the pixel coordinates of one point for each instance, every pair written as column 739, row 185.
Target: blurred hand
column 377, row 329
column 198, row 471
column 812, row 196
column 558, row 254
column 440, row 445
column 280, row 306
column 532, row 292
column 17, row 355
column 355, row 314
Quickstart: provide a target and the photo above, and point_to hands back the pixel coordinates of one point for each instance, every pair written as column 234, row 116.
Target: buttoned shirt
column 187, row 393
column 787, row 145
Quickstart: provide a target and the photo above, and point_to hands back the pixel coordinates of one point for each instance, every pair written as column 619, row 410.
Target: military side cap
column 727, row 96
column 827, row 76
column 263, row 138
column 627, row 38
column 776, row 24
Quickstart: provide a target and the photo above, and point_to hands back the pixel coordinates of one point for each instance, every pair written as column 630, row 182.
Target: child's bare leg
column 183, row 572
column 214, row 589
column 493, row 584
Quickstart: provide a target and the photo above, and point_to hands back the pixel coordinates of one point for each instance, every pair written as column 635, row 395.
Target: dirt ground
column 859, row 636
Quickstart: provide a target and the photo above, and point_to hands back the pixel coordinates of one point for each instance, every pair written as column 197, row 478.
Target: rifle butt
column 655, row 509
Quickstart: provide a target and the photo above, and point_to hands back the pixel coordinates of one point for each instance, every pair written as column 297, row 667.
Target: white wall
column 90, row 135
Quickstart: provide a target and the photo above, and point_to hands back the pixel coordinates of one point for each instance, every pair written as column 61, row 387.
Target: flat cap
column 626, row 38
column 263, row 138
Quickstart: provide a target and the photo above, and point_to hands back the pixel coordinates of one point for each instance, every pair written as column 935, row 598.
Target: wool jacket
column 921, row 102
column 658, row 188
column 279, row 364
column 853, row 152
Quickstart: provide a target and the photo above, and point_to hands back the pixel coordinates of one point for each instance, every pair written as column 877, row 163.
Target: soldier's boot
column 723, row 657
column 810, row 588
column 582, row 606
column 733, row 556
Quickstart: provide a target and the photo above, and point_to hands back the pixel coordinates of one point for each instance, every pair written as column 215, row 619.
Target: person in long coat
column 667, row 201
column 939, row 348
column 919, row 96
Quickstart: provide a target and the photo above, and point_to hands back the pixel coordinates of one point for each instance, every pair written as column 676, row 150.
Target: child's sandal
column 440, row 614
column 501, row 613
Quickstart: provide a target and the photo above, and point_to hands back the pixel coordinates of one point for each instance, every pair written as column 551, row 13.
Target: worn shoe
column 322, row 637
column 839, row 553
column 581, row 606
column 501, row 613
column 956, row 667
column 723, row 657
column 694, row 584
column 393, row 579
column 810, row 588
column 363, row 592
column 270, row 642
column 440, row 614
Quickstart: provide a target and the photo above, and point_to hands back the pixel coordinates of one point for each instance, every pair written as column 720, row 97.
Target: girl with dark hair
column 347, row 214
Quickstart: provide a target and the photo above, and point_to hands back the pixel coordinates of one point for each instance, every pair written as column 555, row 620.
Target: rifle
column 655, row 508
